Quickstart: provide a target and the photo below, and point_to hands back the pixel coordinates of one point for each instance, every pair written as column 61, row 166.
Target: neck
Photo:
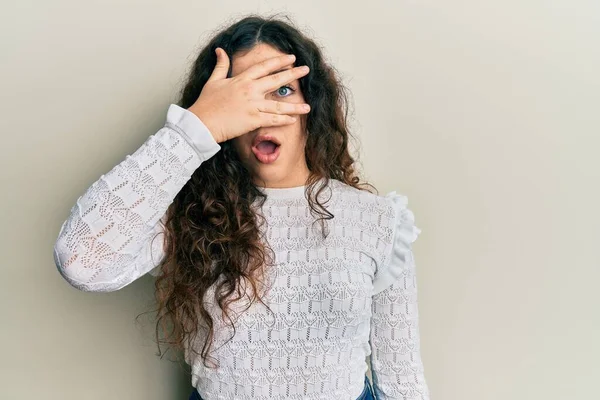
column 293, row 180
column 287, row 192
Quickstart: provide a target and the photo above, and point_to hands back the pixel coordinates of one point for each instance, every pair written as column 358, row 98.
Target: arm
column 396, row 364
column 108, row 239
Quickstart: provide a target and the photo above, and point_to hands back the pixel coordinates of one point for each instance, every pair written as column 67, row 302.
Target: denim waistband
column 367, row 393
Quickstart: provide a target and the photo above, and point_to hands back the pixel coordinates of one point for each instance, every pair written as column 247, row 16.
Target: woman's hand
column 231, row 107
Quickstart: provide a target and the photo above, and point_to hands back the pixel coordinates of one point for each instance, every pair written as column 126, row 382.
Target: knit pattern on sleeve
column 396, row 365
column 112, row 235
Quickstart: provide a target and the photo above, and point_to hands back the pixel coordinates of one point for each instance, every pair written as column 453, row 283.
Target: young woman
column 277, row 274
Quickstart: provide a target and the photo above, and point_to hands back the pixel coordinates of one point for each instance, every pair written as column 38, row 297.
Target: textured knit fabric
column 367, row 393
column 335, row 300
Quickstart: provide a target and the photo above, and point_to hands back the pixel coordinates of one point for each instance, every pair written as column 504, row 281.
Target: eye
column 281, row 91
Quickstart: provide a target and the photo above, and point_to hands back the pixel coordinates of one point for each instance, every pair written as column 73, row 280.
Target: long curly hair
column 212, row 230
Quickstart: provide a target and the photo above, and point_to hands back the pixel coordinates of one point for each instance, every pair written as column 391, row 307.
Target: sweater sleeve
column 396, row 365
column 113, row 234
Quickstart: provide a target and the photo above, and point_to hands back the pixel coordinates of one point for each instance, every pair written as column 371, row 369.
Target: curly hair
column 212, row 230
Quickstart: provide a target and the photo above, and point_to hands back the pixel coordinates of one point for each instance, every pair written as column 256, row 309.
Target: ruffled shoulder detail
column 398, row 255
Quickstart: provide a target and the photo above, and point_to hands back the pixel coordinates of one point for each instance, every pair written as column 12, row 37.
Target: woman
column 276, row 273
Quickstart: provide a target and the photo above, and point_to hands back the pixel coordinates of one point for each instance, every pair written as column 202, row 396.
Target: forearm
column 105, row 242
column 396, row 364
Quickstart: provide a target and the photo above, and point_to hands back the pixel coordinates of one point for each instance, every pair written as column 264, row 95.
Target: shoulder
column 386, row 206
column 375, row 203
column 390, row 226
column 396, row 230
column 387, row 216
column 398, row 258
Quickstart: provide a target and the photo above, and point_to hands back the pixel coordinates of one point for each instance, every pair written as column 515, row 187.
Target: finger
column 222, row 66
column 281, row 107
column 270, row 65
column 267, row 119
column 272, row 82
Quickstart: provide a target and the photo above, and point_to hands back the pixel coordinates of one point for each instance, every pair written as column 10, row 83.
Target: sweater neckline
column 284, row 193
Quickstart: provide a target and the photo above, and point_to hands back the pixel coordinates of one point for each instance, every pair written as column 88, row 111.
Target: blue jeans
column 367, row 393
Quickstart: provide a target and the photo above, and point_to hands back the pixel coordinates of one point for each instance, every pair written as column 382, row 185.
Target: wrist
column 202, row 116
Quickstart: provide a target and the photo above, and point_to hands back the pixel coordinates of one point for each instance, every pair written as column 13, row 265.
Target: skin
column 290, row 168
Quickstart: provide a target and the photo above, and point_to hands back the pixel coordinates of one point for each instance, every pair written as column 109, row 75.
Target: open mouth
column 267, row 147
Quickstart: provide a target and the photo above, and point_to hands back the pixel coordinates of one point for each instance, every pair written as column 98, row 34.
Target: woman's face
column 290, row 168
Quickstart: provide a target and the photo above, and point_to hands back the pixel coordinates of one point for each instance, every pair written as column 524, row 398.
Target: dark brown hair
column 212, row 233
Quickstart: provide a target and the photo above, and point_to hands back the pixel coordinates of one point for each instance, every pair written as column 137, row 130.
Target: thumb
column 222, row 67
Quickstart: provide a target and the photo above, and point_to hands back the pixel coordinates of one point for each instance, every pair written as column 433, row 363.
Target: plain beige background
column 485, row 114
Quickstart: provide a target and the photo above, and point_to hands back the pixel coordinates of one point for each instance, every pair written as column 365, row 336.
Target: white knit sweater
column 336, row 300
